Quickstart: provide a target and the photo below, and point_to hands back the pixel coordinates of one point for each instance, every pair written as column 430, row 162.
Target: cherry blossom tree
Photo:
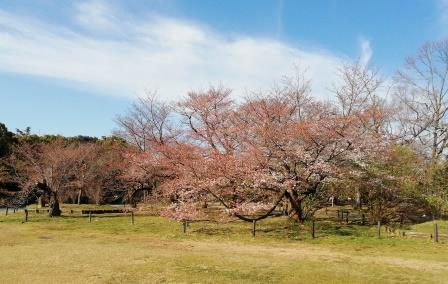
column 250, row 156
column 52, row 167
column 147, row 121
column 147, row 128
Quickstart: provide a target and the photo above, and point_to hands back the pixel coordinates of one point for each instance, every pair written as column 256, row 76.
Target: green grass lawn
column 69, row 249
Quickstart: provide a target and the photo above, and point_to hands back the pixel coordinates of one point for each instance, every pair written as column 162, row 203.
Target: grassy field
column 69, row 249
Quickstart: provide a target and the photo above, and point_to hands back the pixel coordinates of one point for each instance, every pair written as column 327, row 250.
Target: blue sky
column 69, row 67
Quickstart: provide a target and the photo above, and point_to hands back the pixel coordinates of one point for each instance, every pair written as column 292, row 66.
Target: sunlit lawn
column 69, row 249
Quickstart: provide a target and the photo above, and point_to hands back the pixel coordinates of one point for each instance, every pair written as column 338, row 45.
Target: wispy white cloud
column 95, row 15
column 366, row 51
column 171, row 55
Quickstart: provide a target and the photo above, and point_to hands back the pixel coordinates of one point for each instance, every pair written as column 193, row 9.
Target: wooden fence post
column 26, row 215
column 436, row 233
column 363, row 219
column 346, row 217
column 90, row 216
column 254, row 224
column 379, row 229
column 6, row 214
column 132, row 217
column 184, row 226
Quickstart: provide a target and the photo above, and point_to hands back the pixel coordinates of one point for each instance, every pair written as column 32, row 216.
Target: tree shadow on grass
column 213, row 230
column 93, row 216
column 334, row 229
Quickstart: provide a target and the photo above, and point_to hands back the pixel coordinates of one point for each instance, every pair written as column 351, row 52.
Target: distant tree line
column 78, row 169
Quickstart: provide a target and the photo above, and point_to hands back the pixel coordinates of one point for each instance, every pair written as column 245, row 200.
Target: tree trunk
column 296, row 211
column 39, row 202
column 54, row 205
column 132, row 199
column 79, row 196
column 358, row 204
